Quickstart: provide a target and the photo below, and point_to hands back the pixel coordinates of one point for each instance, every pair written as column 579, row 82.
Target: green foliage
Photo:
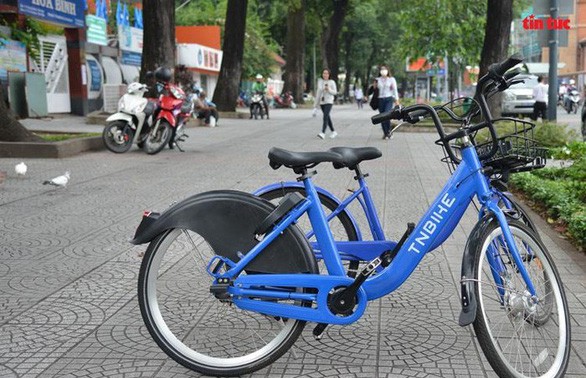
column 62, row 137
column 553, row 135
column 28, row 34
column 562, row 191
column 573, row 151
column 432, row 28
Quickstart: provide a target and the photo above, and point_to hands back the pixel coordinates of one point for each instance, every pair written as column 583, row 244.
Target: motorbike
column 285, row 100
column 257, row 107
column 174, row 111
column 133, row 121
column 573, row 101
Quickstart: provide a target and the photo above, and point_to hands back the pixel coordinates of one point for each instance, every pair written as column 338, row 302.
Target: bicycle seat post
column 304, row 173
column 359, row 174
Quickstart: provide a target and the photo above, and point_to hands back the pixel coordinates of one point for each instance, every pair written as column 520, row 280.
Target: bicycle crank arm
column 247, row 290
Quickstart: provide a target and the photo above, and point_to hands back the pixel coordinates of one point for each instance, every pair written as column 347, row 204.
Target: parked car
column 518, row 99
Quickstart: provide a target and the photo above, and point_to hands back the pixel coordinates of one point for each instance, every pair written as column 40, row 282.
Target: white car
column 518, row 99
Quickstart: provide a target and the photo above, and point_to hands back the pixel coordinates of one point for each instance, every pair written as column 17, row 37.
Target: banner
column 130, row 38
column 68, row 13
column 12, row 57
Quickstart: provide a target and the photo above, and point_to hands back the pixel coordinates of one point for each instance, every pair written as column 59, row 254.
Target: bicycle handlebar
column 499, row 69
column 497, row 79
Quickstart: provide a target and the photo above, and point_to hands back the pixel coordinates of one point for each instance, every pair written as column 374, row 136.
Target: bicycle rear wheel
column 196, row 329
column 521, row 335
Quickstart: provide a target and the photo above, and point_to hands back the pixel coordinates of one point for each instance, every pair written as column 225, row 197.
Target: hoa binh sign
column 68, row 13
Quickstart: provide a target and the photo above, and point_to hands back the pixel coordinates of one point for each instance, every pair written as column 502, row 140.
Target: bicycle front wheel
column 196, row 329
column 520, row 334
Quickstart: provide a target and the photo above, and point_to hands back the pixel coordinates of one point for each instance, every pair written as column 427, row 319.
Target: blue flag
column 98, row 7
column 126, row 15
column 119, row 17
column 136, row 18
column 105, row 10
column 140, row 17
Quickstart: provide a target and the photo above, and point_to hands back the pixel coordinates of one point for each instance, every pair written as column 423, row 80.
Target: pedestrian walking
column 387, row 97
column 540, row 93
column 326, row 90
column 359, row 95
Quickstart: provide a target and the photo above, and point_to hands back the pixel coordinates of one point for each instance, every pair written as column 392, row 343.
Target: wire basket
column 517, row 150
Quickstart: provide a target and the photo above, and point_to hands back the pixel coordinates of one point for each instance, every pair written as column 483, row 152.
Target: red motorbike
column 173, row 113
column 285, row 100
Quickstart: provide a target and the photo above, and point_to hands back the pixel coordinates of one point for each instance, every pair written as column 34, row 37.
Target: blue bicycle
column 229, row 281
column 343, row 223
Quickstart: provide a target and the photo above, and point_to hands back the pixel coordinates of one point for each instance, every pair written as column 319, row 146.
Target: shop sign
column 198, row 56
column 130, row 38
column 97, row 30
column 63, row 12
column 12, row 57
column 131, row 58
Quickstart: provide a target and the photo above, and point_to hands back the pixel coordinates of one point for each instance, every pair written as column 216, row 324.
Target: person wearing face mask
column 326, row 90
column 387, row 97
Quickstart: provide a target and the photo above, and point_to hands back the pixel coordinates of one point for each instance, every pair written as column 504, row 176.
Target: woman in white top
column 326, row 90
column 387, row 97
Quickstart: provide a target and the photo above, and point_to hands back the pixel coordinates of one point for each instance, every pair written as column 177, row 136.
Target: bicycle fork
column 468, row 296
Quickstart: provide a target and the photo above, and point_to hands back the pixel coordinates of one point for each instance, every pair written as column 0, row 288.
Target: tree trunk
column 295, row 51
column 370, row 62
column 158, row 49
column 226, row 92
column 10, row 129
column 348, row 38
column 499, row 16
column 330, row 48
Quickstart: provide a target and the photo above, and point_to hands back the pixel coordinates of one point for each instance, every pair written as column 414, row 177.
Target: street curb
column 234, row 115
column 50, row 150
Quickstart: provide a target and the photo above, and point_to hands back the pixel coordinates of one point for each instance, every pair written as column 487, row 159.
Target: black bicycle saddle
column 352, row 156
column 293, row 159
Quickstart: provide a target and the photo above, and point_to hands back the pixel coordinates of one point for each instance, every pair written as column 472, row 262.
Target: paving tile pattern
column 68, row 304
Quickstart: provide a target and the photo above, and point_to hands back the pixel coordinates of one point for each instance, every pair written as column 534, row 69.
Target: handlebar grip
column 511, row 74
column 396, row 113
column 502, row 67
column 416, row 116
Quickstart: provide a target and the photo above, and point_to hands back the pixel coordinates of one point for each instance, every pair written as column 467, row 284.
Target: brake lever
column 401, row 123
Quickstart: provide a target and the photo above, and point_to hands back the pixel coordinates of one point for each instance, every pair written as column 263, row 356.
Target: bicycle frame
column 433, row 229
column 353, row 250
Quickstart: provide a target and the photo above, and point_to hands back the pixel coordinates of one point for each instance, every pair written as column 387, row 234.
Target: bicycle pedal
column 220, row 290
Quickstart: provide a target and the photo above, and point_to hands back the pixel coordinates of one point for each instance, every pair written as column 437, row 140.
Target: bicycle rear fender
column 227, row 220
column 320, row 191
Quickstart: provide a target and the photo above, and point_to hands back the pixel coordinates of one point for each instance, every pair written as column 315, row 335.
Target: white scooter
column 132, row 121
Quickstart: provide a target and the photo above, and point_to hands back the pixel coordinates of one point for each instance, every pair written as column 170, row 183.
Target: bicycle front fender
column 320, row 191
column 467, row 293
column 227, row 220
